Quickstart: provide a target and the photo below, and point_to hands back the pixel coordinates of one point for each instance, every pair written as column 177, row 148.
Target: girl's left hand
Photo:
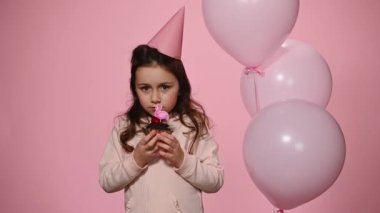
column 169, row 149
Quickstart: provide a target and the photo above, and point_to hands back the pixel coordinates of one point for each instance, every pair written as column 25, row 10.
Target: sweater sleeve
column 203, row 170
column 117, row 168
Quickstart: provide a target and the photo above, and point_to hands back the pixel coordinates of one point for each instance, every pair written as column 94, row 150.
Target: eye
column 165, row 87
column 144, row 88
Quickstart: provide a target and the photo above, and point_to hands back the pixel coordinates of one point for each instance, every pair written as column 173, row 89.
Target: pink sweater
column 159, row 187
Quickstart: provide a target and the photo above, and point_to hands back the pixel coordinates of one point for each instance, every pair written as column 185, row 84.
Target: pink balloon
column 250, row 30
column 294, row 151
column 296, row 71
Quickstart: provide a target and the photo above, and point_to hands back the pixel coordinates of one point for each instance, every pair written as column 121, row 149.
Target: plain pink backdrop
column 64, row 68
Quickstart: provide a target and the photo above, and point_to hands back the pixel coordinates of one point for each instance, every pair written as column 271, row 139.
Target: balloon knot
column 257, row 70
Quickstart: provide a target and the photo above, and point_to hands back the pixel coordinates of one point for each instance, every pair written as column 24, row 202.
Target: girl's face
column 155, row 85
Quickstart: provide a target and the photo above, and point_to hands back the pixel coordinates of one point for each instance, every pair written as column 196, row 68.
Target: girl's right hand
column 146, row 150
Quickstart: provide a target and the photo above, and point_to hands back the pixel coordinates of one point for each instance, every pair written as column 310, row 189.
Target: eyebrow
column 142, row 84
column 163, row 83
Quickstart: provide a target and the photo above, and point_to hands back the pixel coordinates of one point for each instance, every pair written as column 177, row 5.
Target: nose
column 156, row 97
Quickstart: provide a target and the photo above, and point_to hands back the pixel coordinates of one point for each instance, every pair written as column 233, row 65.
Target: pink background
column 64, row 68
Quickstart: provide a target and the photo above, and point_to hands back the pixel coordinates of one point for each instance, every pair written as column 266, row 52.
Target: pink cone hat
column 169, row 39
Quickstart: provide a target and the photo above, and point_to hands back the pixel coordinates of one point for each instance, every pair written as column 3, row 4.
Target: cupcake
column 159, row 120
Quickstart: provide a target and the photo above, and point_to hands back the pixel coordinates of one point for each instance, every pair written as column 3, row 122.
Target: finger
column 165, row 139
column 149, row 137
column 164, row 146
column 163, row 154
column 152, row 143
column 167, row 135
column 155, row 150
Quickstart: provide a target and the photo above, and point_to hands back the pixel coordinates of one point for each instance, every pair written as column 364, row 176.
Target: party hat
column 169, row 39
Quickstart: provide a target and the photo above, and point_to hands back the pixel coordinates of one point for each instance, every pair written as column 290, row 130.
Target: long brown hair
column 186, row 107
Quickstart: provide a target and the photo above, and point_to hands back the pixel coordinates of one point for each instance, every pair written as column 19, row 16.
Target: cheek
column 142, row 98
column 171, row 99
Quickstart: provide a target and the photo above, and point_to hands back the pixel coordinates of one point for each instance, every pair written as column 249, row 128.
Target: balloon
column 293, row 151
column 296, row 71
column 250, row 30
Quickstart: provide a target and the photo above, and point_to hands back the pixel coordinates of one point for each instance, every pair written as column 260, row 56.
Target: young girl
column 161, row 171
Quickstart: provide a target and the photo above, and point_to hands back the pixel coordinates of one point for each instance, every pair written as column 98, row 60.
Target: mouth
column 154, row 107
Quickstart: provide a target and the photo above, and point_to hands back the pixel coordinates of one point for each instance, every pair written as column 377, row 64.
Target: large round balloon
column 296, row 71
column 293, row 151
column 250, row 30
